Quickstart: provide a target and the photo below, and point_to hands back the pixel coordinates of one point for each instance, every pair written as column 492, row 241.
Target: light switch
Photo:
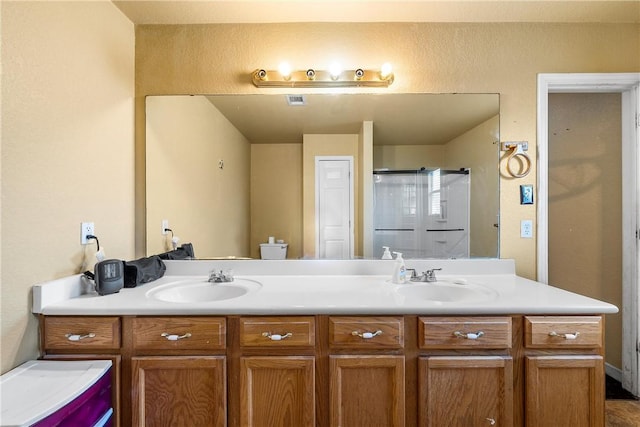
column 526, row 228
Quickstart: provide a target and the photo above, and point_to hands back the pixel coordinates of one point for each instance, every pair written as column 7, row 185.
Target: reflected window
column 434, row 193
column 409, row 202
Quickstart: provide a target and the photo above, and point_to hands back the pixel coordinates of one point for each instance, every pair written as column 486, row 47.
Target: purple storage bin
column 47, row 393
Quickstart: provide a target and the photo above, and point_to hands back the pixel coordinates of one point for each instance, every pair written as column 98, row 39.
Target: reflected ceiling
column 269, row 119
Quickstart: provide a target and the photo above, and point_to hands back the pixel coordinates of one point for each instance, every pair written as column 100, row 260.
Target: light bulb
column 385, row 70
column 285, row 70
column 335, row 70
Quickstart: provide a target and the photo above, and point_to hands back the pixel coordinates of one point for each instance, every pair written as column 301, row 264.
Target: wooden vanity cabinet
column 277, row 371
column 251, row 371
column 564, row 371
column 178, row 371
column 367, row 371
column 458, row 384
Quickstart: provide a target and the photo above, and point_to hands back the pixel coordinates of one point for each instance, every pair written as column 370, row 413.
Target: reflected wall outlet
column 86, row 229
column 526, row 228
column 165, row 225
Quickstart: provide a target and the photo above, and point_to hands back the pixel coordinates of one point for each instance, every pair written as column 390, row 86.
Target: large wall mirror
column 330, row 175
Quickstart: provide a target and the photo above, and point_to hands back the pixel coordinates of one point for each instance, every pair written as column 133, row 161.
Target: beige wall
column 364, row 217
column 407, row 156
column 585, row 202
column 67, row 149
column 206, row 205
column 276, row 196
column 475, row 149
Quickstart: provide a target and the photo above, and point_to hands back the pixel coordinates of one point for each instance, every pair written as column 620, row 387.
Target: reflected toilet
column 273, row 250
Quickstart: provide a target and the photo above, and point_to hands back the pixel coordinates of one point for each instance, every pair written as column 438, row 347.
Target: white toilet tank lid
column 38, row 388
column 273, row 245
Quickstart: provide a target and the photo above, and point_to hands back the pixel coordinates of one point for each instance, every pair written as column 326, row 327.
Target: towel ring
column 517, row 150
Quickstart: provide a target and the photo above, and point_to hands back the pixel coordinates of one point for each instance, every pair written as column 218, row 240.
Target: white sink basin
column 447, row 292
column 195, row 291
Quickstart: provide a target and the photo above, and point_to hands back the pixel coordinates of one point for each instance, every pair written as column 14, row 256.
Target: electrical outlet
column 165, row 225
column 526, row 228
column 86, row 229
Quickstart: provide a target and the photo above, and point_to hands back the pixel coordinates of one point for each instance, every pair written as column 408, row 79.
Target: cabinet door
column 465, row 391
column 179, row 391
column 564, row 391
column 367, row 390
column 277, row 391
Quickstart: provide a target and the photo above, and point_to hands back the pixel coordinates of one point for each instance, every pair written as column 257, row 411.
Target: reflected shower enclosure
column 422, row 213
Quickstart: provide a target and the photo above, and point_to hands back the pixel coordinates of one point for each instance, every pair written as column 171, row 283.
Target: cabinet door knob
column 492, row 422
column 468, row 335
column 79, row 337
column 276, row 337
column 366, row 335
column 569, row 336
column 174, row 337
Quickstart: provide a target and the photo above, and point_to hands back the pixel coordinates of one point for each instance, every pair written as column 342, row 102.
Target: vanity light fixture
column 334, row 77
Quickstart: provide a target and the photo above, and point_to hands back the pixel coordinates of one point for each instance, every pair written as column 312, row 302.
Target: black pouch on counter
column 183, row 252
column 143, row 270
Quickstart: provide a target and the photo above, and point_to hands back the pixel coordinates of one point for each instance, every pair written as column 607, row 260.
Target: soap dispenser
column 387, row 253
column 399, row 270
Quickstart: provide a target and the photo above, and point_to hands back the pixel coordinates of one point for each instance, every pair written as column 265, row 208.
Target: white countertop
column 300, row 287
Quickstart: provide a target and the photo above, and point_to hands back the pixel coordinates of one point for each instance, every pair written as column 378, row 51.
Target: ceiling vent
column 295, row 100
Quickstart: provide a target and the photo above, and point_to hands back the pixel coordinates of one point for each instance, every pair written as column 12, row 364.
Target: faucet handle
column 414, row 275
column 431, row 274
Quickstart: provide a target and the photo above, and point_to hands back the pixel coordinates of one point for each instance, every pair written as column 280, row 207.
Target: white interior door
column 334, row 207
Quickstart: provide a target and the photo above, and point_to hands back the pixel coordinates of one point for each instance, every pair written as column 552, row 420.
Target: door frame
column 350, row 159
column 627, row 84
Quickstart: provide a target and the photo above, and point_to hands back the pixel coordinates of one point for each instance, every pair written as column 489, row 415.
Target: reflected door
column 334, row 208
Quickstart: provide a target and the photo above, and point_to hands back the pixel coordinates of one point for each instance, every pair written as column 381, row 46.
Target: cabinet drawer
column 277, row 331
column 563, row 331
column 464, row 332
column 86, row 333
column 366, row 332
column 171, row 333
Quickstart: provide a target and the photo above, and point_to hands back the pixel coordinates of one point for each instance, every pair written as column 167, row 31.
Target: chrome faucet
column 220, row 277
column 426, row 276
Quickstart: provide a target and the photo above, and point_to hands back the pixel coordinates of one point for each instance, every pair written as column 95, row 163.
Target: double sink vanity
column 335, row 343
